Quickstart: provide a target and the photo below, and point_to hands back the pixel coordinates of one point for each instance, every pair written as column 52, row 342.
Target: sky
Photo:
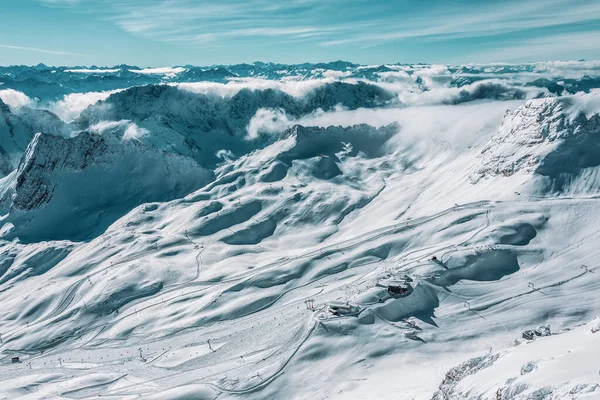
column 208, row 32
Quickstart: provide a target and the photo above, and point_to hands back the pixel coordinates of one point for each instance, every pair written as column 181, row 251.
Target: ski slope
column 222, row 290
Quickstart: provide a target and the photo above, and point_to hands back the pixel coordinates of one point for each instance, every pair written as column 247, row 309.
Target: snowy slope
column 163, row 251
column 555, row 367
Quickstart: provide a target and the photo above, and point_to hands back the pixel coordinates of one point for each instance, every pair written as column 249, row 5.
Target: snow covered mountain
column 558, row 139
column 90, row 180
column 17, row 128
column 199, row 125
column 412, row 232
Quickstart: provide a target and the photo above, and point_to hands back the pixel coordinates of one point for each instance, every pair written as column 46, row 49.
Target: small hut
column 342, row 308
column 400, row 288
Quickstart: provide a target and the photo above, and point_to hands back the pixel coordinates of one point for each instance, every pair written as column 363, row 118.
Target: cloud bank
column 14, row 98
column 73, row 104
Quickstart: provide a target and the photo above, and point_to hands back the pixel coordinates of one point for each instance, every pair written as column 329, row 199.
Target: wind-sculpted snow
column 528, row 371
column 187, row 239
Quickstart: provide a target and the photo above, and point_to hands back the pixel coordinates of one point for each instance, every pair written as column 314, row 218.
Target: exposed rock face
column 17, row 129
column 551, row 138
column 73, row 188
column 525, row 135
column 47, row 155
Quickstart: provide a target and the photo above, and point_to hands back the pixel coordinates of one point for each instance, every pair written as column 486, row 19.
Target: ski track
column 340, row 246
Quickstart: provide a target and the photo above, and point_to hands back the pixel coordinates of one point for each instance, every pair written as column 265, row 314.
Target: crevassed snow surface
column 182, row 232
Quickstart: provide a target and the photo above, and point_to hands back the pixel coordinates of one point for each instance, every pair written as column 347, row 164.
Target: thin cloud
column 45, row 51
column 362, row 24
column 61, row 3
column 310, row 18
column 456, row 24
column 219, row 22
column 571, row 45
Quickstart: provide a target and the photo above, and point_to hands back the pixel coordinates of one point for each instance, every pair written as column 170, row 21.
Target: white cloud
column 134, row 132
column 293, row 87
column 435, row 77
column 14, row 98
column 103, row 126
column 328, row 73
column 166, row 71
column 225, row 155
column 267, row 121
column 452, row 127
column 73, row 104
column 131, row 130
column 441, row 95
column 394, row 75
column 587, row 104
column 426, row 129
column 93, row 71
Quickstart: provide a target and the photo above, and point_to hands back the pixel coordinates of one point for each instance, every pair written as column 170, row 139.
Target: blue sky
column 206, row 32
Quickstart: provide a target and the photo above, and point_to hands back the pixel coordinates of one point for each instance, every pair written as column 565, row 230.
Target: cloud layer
column 73, row 104
column 14, row 99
